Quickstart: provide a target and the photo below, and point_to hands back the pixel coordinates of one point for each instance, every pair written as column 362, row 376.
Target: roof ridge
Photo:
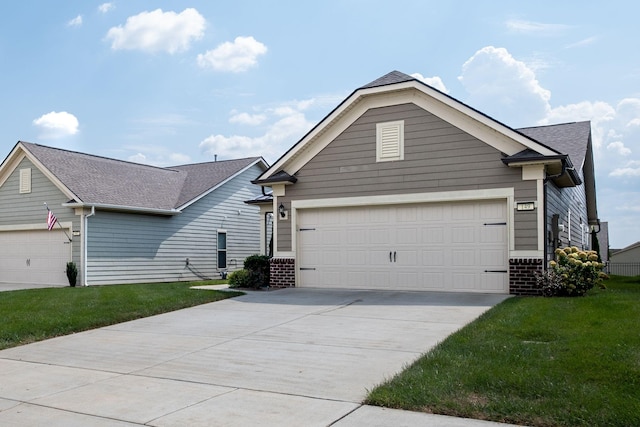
column 95, row 156
column 554, row 124
column 216, row 161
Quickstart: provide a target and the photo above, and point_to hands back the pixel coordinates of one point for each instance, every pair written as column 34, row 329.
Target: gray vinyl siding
column 437, row 157
column 134, row 248
column 19, row 210
column 560, row 201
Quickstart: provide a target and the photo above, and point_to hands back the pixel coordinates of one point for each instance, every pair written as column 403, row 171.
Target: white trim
column 542, row 233
column 33, row 227
column 397, row 130
column 396, row 199
column 442, row 196
column 526, row 254
column 459, row 115
column 120, row 208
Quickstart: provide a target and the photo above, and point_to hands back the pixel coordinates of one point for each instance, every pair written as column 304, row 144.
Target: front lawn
column 37, row 314
column 535, row 361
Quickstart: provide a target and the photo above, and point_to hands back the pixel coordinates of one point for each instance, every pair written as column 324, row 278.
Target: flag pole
column 59, row 225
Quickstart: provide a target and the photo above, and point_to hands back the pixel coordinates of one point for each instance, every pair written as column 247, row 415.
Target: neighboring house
column 626, row 261
column 123, row 222
column 403, row 187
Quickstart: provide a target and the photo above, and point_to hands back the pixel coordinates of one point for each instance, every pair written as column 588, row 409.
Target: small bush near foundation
column 258, row 268
column 573, row 274
column 239, row 279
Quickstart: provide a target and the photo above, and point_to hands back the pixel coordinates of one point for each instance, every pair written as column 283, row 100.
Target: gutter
column 85, row 268
column 134, row 209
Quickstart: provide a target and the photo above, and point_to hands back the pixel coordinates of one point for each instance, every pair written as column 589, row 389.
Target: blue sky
column 172, row 82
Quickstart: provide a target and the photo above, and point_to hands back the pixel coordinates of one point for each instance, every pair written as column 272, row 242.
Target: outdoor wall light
column 281, row 211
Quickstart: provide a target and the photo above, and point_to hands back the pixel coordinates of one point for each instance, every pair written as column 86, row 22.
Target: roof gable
column 393, row 89
column 99, row 181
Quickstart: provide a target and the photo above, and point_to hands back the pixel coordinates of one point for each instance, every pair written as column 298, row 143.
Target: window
column 222, row 249
column 25, row 181
column 390, row 141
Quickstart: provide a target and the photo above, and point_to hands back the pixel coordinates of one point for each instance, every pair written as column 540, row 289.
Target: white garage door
column 34, row 257
column 437, row 246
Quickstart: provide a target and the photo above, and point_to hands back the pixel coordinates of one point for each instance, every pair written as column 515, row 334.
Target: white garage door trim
column 506, row 195
column 401, row 199
column 31, row 254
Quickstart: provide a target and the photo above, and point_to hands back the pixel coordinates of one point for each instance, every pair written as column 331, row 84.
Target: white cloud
column 57, row 125
column 503, row 87
column 156, row 156
column 630, row 169
column 105, row 7
column 247, row 119
column 235, row 57
column 158, row 31
column 434, row 81
column 288, row 125
column 582, row 43
column 618, row 147
column 75, row 22
column 536, row 28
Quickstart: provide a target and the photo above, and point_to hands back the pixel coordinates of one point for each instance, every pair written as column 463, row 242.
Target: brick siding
column 522, row 280
column 282, row 272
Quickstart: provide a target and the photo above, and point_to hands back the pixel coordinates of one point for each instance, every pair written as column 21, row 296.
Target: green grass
column 535, row 361
column 37, row 314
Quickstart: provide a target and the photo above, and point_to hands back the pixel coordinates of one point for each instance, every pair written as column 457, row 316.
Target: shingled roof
column 103, row 181
column 567, row 138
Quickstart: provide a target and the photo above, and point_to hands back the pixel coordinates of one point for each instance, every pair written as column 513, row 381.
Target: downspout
column 86, row 244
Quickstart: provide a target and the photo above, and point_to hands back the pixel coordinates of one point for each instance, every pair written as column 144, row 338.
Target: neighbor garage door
column 437, row 246
column 34, row 257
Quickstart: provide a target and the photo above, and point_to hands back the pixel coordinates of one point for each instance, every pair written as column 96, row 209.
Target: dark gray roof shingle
column 389, row 79
column 567, row 138
column 105, row 181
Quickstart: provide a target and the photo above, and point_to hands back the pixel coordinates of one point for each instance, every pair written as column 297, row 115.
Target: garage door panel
column 440, row 246
column 34, row 257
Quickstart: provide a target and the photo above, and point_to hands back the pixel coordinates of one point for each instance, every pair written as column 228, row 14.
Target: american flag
column 51, row 220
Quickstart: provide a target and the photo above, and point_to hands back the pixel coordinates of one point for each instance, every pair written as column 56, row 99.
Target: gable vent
column 25, row 181
column 390, row 141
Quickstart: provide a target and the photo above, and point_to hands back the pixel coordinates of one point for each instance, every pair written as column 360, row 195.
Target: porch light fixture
column 281, row 211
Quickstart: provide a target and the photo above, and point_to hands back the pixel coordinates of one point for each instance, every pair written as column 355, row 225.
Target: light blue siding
column 134, row 248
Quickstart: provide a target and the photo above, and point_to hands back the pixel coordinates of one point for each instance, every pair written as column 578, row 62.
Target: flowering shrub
column 573, row 274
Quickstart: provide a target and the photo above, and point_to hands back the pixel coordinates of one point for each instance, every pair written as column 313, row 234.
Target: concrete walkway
column 288, row 357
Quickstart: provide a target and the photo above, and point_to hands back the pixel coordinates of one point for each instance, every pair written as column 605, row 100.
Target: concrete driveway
column 286, row 357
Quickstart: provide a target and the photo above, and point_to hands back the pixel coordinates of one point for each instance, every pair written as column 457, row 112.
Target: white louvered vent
column 390, row 141
column 25, row 181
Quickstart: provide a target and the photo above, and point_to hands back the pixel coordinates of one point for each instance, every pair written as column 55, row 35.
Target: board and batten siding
column 135, row 248
column 438, row 157
column 21, row 211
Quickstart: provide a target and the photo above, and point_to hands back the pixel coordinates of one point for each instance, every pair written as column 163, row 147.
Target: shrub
column 72, row 273
column 573, row 274
column 239, row 279
column 258, row 268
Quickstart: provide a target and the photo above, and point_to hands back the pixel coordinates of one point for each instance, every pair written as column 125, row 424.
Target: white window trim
column 396, row 126
column 225, row 250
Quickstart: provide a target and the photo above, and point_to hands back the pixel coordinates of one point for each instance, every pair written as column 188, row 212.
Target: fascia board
column 14, row 159
column 495, row 134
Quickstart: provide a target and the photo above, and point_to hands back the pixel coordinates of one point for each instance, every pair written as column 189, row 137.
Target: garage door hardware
column 495, row 223
column 307, row 268
column 496, row 271
column 307, row 229
column 394, row 256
